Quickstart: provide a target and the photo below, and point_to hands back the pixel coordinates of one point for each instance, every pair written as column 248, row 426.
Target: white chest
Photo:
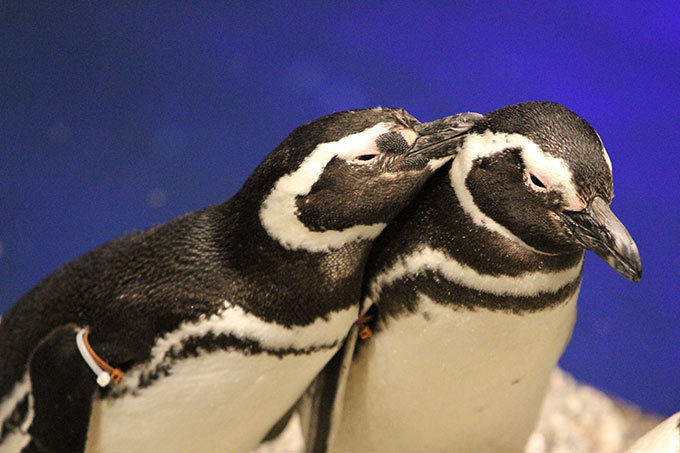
column 453, row 380
column 222, row 401
column 219, row 402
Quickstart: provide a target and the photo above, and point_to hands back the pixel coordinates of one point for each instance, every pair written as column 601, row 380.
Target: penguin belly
column 453, row 380
column 225, row 400
column 218, row 402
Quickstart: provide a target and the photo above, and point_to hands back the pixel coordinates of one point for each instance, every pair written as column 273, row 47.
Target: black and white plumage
column 474, row 285
column 219, row 318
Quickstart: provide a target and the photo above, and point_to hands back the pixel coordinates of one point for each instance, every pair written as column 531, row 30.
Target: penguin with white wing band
column 218, row 319
column 473, row 288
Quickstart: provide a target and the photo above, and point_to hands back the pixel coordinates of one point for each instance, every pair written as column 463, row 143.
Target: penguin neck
column 335, row 248
column 436, row 219
column 302, row 285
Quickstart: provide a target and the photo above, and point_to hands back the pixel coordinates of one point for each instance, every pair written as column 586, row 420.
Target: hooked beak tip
column 597, row 229
column 629, row 266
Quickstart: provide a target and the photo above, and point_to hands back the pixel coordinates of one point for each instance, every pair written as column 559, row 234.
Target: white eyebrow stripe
column 555, row 171
column 278, row 213
column 604, row 153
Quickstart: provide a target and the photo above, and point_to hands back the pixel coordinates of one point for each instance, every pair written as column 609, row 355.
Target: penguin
column 664, row 438
column 472, row 288
column 218, row 320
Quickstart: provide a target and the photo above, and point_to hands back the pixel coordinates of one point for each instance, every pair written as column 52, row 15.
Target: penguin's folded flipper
column 62, row 386
column 321, row 406
column 63, row 382
column 280, row 426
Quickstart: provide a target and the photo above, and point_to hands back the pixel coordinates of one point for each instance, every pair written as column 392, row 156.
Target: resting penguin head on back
column 242, row 302
column 353, row 172
column 329, row 189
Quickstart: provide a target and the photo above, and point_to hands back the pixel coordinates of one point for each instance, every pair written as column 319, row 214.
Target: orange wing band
column 115, row 373
column 365, row 332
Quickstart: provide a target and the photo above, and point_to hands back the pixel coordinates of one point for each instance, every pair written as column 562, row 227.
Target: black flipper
column 62, row 388
column 321, row 406
column 278, row 428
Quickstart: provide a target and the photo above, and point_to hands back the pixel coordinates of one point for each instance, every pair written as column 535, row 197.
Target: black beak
column 439, row 138
column 596, row 228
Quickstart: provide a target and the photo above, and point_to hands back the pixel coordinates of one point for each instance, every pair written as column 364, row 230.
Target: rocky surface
column 579, row 418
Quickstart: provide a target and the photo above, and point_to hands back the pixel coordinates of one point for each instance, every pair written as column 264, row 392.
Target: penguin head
column 539, row 174
column 341, row 178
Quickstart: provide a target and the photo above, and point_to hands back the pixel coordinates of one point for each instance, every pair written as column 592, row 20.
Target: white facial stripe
column 604, row 153
column 235, row 321
column 279, row 212
column 551, row 170
column 408, row 135
column 526, row 284
column 606, row 158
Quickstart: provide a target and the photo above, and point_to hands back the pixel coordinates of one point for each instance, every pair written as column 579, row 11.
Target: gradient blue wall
column 118, row 118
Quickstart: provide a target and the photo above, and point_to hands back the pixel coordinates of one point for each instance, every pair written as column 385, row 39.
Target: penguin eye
column 365, row 157
column 536, row 182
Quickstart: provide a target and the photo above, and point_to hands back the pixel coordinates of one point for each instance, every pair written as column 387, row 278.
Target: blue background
column 116, row 118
